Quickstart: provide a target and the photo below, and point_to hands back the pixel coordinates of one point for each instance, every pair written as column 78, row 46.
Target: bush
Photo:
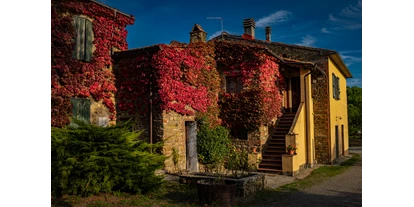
column 90, row 159
column 238, row 163
column 212, row 145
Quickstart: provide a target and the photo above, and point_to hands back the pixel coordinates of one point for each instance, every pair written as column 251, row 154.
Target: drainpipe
column 308, row 144
column 150, row 100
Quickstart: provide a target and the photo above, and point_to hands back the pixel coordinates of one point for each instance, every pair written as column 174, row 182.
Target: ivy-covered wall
column 184, row 80
column 78, row 78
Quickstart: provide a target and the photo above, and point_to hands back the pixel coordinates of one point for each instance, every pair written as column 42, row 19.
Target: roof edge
column 115, row 9
column 340, row 63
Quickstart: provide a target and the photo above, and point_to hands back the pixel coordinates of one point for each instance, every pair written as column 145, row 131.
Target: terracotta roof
column 236, row 37
column 127, row 53
column 321, row 51
column 291, row 62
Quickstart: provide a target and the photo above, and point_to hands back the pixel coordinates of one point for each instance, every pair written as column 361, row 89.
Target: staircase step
column 275, row 159
column 268, row 170
column 271, row 156
column 276, row 142
column 277, row 138
column 275, row 151
column 275, row 147
column 272, row 165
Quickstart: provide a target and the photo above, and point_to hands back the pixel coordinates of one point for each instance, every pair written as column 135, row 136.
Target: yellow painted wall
column 300, row 132
column 338, row 110
column 300, row 128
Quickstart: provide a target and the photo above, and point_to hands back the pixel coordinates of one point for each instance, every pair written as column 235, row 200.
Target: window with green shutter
column 83, row 39
column 335, row 87
column 81, row 108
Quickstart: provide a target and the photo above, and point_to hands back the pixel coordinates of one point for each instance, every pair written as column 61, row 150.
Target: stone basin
column 246, row 186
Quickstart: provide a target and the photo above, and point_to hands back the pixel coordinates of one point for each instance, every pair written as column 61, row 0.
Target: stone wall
column 100, row 114
column 320, row 95
column 174, row 135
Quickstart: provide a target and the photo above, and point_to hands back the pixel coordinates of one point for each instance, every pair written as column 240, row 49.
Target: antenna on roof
column 221, row 20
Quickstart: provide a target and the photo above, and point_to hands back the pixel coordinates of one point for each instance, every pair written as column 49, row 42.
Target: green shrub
column 90, row 159
column 238, row 163
column 212, row 145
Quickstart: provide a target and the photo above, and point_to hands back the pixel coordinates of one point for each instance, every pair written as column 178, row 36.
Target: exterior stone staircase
column 276, row 146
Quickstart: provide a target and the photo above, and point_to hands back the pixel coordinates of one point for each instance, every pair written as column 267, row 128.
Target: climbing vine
column 184, row 80
column 76, row 78
column 260, row 101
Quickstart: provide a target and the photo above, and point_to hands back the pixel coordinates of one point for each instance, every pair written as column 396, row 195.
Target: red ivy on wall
column 260, row 101
column 75, row 78
column 183, row 79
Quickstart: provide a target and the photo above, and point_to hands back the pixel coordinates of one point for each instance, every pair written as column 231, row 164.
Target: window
column 335, row 87
column 234, row 84
column 239, row 132
column 83, row 39
column 81, row 109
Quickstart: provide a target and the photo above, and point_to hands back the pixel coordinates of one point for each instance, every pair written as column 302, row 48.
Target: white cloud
column 324, row 30
column 349, row 60
column 352, row 11
column 354, row 82
column 279, row 16
column 217, row 33
column 350, row 17
column 307, row 41
column 350, row 51
column 344, row 23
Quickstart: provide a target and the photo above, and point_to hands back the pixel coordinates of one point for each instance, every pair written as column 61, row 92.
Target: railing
column 296, row 118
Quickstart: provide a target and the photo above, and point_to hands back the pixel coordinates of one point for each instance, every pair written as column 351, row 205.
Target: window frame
column 335, row 87
column 236, row 80
column 238, row 130
column 83, row 40
column 81, row 109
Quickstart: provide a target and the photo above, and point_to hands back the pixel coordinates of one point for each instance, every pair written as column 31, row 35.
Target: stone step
column 269, row 170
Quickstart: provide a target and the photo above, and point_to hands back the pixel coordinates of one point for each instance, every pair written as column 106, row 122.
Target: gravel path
column 342, row 190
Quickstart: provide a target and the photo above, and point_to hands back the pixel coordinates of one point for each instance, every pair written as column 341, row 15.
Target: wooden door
column 295, row 87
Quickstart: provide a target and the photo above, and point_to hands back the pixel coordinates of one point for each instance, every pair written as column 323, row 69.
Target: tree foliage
column 90, row 159
column 354, row 110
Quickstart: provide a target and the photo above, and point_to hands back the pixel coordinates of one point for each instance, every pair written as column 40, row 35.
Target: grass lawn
column 174, row 194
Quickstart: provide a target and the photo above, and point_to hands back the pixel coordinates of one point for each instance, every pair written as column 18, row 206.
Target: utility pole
column 221, row 20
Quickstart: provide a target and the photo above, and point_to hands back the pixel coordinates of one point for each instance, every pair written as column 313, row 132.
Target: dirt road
column 342, row 190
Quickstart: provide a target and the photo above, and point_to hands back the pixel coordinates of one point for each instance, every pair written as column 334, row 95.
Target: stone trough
column 246, row 186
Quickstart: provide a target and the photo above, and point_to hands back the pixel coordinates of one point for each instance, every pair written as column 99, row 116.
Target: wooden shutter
column 88, row 41
column 81, row 109
column 334, row 86
column 75, row 53
column 83, row 39
column 338, row 89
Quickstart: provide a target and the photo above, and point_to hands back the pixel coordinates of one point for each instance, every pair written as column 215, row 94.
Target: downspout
column 308, row 156
column 150, row 94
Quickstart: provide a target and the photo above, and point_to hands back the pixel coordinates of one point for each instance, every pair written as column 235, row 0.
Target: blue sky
column 335, row 25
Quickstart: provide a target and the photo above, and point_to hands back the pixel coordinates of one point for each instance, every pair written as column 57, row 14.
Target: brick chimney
column 268, row 34
column 197, row 34
column 249, row 25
